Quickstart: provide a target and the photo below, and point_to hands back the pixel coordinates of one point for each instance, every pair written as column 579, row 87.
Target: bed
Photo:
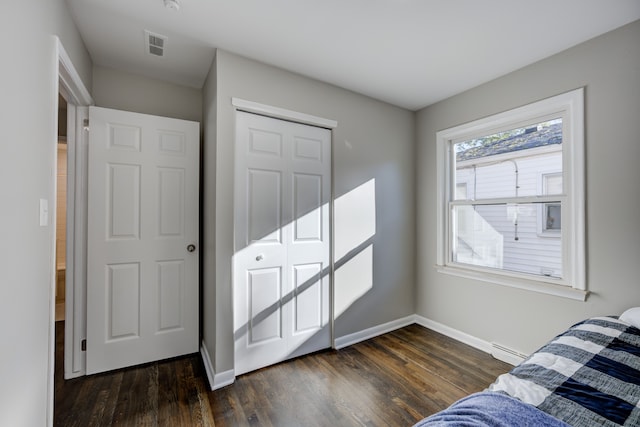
column 587, row 376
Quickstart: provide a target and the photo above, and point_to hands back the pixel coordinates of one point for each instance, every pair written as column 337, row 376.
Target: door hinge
column 83, row 345
column 85, row 124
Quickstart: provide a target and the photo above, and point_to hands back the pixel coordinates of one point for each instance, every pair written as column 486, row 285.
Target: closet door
column 281, row 260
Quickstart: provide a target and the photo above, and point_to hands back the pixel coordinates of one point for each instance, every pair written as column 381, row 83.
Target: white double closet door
column 282, row 240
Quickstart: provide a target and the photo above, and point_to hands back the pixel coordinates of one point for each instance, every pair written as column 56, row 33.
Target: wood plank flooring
column 392, row 380
column 168, row 393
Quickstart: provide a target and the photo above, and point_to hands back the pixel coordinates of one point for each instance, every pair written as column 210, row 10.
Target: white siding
column 533, row 251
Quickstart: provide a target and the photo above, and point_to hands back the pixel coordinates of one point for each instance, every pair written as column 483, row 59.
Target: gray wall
column 208, row 219
column 373, row 140
column 129, row 92
column 609, row 68
column 28, row 118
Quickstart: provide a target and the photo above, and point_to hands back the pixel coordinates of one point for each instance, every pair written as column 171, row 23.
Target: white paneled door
column 142, row 259
column 281, row 260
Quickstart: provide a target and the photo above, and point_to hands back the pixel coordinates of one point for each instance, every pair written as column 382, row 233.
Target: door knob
column 260, row 257
column 191, row 248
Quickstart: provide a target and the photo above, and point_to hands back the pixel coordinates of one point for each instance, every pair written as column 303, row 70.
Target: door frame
column 305, row 119
column 73, row 90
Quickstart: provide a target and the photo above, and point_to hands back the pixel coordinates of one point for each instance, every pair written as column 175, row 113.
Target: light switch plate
column 44, row 212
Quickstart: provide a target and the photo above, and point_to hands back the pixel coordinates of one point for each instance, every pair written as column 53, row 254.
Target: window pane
column 552, row 217
column 461, row 191
column 552, row 183
column 510, row 163
column 505, row 237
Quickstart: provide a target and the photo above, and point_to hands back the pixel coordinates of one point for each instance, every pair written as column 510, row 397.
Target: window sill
column 517, row 282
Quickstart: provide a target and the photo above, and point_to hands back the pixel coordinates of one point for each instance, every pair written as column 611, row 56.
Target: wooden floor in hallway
column 391, row 380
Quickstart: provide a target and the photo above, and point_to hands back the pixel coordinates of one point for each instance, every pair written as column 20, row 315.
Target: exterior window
column 511, row 198
column 461, row 191
column 550, row 219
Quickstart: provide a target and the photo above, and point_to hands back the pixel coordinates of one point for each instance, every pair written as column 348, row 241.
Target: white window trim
column 569, row 106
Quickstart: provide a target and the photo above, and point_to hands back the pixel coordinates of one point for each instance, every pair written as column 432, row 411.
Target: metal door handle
column 260, row 257
column 191, row 248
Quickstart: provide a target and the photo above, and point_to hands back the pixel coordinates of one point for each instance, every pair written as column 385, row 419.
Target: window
column 550, row 219
column 461, row 190
column 511, row 197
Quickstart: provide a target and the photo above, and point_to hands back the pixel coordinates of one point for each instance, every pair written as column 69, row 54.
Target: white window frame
column 570, row 107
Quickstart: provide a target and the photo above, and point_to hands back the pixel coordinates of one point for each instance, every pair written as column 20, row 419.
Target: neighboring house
column 524, row 238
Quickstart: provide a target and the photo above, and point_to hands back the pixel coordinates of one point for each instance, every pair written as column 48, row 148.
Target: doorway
column 68, row 265
column 61, row 210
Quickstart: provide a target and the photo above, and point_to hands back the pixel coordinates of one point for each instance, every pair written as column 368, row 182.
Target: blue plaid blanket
column 587, row 376
column 489, row 409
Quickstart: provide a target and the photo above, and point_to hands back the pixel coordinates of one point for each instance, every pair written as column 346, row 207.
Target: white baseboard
column 507, row 355
column 206, row 361
column 372, row 332
column 499, row 352
column 216, row 381
column 223, row 379
column 455, row 334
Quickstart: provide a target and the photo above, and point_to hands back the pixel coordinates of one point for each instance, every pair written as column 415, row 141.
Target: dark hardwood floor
column 392, row 380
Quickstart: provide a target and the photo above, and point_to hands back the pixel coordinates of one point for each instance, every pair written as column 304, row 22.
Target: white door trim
column 78, row 99
column 75, row 310
column 281, row 113
column 69, row 79
column 70, row 85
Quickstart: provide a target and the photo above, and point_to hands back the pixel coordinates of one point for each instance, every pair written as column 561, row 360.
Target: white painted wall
column 130, row 92
column 208, row 219
column 373, row 141
column 607, row 67
column 28, row 118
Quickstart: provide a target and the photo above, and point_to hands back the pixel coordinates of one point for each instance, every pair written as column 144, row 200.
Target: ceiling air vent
column 155, row 43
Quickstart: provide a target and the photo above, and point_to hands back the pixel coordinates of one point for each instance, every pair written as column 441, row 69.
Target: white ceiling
column 410, row 53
